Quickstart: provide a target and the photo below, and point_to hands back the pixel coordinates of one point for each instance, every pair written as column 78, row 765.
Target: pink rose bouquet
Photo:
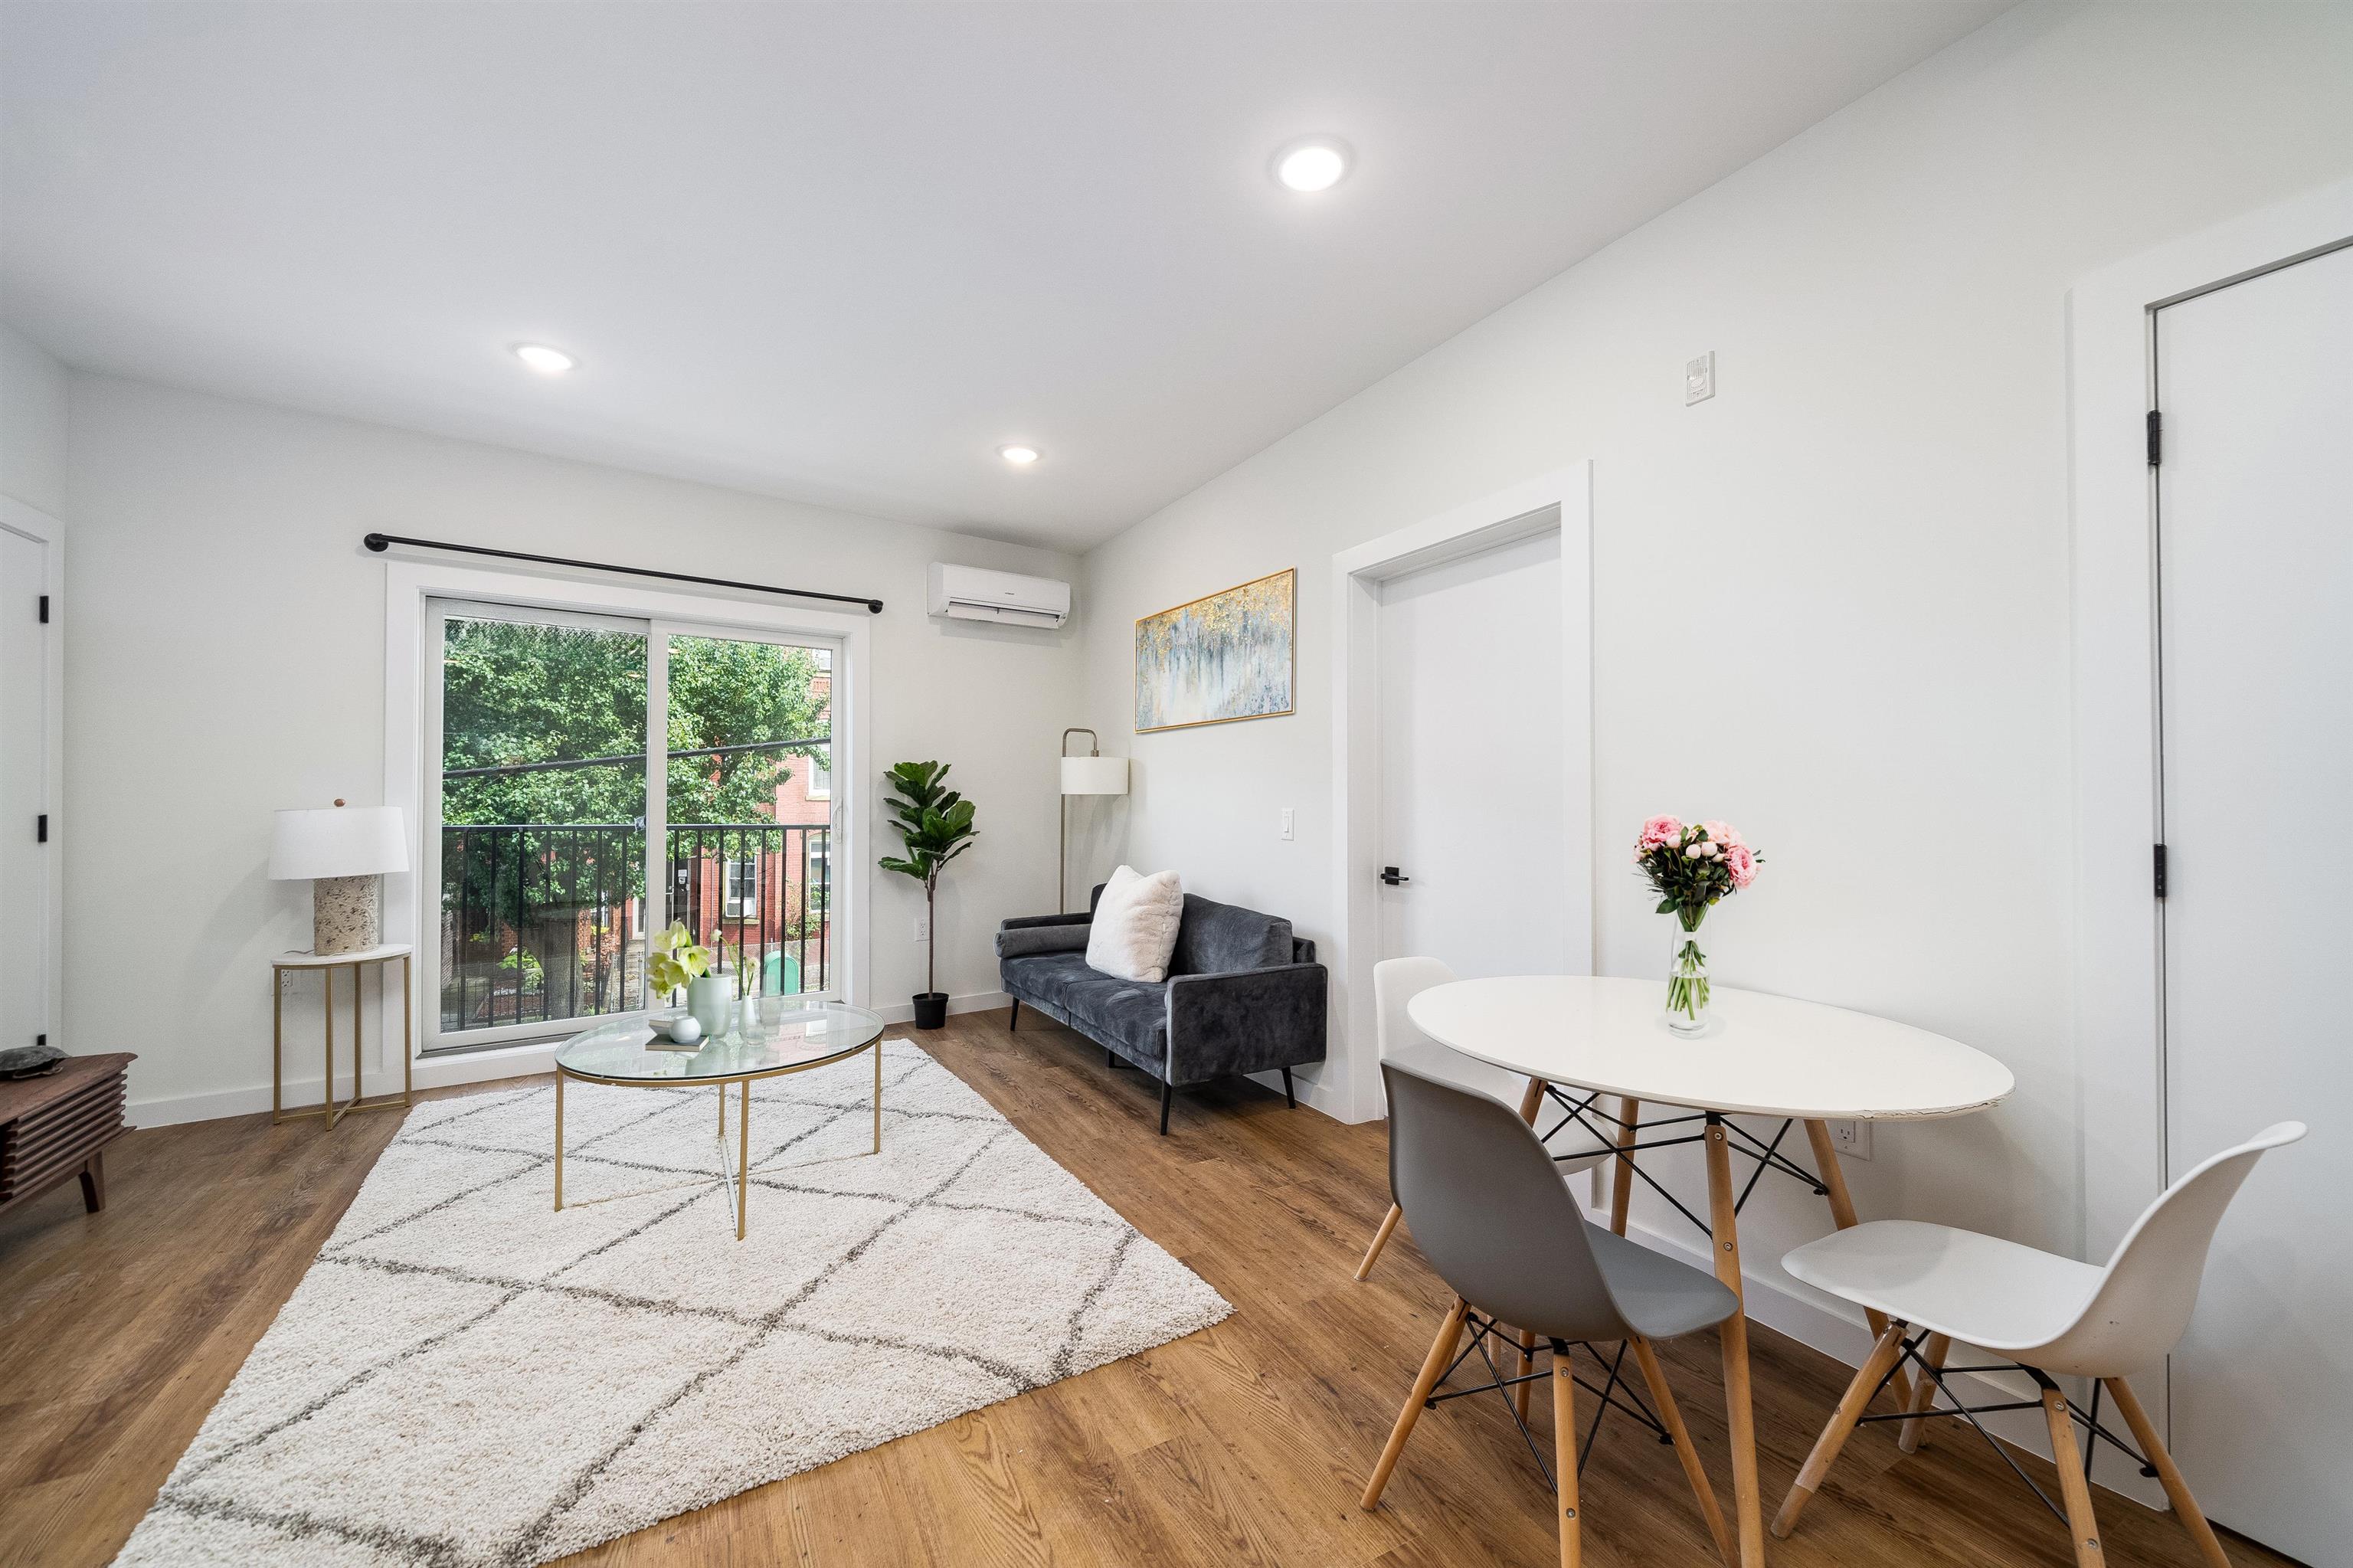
column 1691, row 867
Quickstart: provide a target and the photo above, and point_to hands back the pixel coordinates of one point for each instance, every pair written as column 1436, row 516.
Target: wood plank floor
column 1245, row 1445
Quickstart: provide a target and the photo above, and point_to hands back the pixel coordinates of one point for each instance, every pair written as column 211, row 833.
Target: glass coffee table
column 792, row 1037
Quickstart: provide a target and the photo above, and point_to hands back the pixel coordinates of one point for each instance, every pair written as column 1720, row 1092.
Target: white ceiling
column 840, row 252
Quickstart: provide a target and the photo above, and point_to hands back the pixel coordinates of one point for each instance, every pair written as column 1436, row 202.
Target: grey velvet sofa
column 1243, row 995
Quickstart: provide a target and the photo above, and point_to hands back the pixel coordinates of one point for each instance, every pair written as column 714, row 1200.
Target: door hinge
column 45, row 610
column 41, row 829
column 2156, row 437
column 2159, row 858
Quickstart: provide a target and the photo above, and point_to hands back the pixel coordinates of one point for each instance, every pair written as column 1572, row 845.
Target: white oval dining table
column 1759, row 1055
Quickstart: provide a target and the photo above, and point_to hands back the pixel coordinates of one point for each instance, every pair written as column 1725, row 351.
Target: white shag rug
column 468, row 1379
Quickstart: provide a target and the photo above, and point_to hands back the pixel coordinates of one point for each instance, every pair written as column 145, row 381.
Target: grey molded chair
column 1495, row 1220
column 1396, row 982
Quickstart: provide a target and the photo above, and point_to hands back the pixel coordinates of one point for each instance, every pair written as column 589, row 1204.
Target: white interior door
column 1473, row 765
column 23, row 777
column 2255, row 534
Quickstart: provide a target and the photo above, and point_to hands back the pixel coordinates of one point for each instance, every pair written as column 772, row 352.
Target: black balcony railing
column 541, row 922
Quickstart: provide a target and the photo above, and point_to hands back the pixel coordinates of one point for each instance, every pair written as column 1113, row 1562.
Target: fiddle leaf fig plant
column 936, row 823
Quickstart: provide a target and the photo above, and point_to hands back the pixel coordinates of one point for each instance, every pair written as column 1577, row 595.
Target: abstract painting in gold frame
column 1222, row 657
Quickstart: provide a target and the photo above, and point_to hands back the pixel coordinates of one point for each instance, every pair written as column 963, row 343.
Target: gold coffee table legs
column 737, row 1182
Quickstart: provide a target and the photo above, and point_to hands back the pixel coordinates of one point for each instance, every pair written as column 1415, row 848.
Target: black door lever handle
column 1389, row 876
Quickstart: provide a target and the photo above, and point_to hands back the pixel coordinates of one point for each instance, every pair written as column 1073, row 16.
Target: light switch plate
column 1289, row 820
column 1699, row 378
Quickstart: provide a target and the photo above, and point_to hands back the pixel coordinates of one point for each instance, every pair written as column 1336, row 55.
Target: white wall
column 1832, row 602
column 227, row 653
column 32, row 423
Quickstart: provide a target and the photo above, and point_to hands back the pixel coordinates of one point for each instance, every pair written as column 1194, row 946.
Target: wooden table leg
column 1826, row 1160
column 1924, row 1394
column 1740, row 1414
column 1532, row 1101
column 1622, row 1190
column 878, row 1094
column 93, row 1186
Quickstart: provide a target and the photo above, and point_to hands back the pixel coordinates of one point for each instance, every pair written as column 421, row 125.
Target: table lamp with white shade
column 344, row 853
column 1093, row 774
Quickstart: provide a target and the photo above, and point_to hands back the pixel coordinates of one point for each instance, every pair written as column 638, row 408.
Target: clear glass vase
column 1686, row 973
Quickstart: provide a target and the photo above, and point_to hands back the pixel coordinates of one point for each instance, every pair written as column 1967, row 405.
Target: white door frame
column 409, row 583
column 1562, row 500
column 32, row 523
column 2118, row 999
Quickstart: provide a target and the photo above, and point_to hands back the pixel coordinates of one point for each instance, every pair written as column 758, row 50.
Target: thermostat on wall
column 1699, row 379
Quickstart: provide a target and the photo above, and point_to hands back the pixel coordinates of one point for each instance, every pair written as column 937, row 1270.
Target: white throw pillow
column 1134, row 927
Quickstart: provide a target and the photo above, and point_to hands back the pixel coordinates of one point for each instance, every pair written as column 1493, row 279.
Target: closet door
column 25, row 862
column 2255, row 540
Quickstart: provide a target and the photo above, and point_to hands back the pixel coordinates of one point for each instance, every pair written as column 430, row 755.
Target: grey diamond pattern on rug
column 468, row 1379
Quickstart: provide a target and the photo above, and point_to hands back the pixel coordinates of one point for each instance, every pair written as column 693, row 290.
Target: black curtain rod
column 379, row 542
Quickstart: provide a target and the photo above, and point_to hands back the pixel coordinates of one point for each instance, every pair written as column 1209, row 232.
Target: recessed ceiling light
column 545, row 360
column 1316, row 164
column 1018, row 456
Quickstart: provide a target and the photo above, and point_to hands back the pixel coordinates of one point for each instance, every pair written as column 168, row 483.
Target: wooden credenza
column 56, row 1127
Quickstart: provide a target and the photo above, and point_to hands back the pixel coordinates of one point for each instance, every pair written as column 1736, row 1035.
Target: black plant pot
column 931, row 1009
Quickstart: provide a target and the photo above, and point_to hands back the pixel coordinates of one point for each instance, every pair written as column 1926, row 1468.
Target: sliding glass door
column 592, row 779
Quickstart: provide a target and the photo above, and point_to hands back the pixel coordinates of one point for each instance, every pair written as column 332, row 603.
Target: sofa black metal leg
column 1289, row 1099
column 1168, row 1098
column 1014, row 1022
column 1110, row 1058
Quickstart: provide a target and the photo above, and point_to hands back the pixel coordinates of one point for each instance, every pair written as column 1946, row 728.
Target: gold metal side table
column 327, row 964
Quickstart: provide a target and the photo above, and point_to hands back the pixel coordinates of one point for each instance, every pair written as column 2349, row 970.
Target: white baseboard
column 298, row 1094
column 171, row 1111
column 978, row 1001
column 1839, row 1331
column 440, row 1072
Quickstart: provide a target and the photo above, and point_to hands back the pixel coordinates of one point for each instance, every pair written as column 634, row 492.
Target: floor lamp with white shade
column 1093, row 774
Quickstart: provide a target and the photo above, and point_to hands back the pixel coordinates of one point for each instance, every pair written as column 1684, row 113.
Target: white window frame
column 409, row 748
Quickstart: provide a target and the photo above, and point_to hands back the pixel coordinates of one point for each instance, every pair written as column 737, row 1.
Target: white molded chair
column 1396, row 982
column 2047, row 1314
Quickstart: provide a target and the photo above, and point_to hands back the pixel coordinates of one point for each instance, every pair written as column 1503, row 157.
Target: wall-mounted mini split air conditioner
column 970, row 593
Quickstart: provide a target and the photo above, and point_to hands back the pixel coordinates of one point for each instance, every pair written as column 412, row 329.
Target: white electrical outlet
column 922, row 928
column 1699, row 378
column 1852, row 1138
column 1289, row 820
